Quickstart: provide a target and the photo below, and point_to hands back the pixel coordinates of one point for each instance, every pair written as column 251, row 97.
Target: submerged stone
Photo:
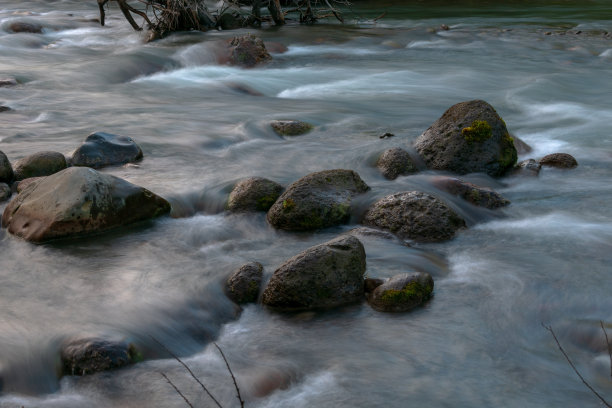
column 402, row 293
column 247, row 51
column 92, row 355
column 290, row 127
column 102, row 149
column 480, row 196
column 559, row 160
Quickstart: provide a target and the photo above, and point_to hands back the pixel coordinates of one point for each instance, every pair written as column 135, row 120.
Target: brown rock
column 247, row 51
column 480, row 196
column 559, row 160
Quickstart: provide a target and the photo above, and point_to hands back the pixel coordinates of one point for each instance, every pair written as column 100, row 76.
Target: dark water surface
column 545, row 66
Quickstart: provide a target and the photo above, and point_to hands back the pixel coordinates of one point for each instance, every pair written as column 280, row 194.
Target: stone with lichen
column 290, row 127
column 402, row 293
column 469, row 137
column 253, row 194
column 395, row 162
column 243, row 284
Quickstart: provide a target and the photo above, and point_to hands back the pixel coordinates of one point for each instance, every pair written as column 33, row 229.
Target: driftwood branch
column 550, row 329
column 607, row 344
column 232, row 374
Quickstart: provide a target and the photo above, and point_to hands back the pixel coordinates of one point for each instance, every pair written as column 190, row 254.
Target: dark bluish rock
column 102, row 149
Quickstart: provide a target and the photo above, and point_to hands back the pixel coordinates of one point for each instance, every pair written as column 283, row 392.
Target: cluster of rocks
column 532, row 167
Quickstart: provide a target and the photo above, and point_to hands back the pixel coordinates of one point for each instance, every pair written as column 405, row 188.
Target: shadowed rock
column 395, row 162
column 559, row 160
column 102, row 149
column 402, row 293
column 78, row 201
column 254, row 194
column 6, row 170
column 92, row 355
column 469, row 137
column 39, row 164
column 6, row 82
column 414, row 215
column 528, row 167
column 247, row 51
column 318, row 200
column 326, row 275
column 5, row 192
column 480, row 196
column 243, row 284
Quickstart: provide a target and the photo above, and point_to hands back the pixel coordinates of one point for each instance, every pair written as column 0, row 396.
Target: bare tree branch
column 549, row 328
column 607, row 344
column 231, row 373
column 176, row 389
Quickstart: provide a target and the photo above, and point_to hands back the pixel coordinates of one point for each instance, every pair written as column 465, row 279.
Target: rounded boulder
column 414, row 215
column 243, row 284
column 290, row 127
column 395, row 162
column 402, row 293
column 469, row 137
column 318, row 200
column 39, row 164
column 83, row 356
column 254, row 194
column 559, row 160
column 102, row 149
column 326, row 275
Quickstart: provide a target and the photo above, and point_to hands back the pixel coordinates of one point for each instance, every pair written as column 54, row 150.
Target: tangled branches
column 163, row 17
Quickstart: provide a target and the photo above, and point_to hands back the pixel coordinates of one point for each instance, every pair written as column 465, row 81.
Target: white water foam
column 314, row 387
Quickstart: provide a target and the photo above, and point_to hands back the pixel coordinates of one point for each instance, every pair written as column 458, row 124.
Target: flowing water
column 545, row 67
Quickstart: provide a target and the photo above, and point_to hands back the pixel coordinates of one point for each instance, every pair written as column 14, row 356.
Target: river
column 545, row 66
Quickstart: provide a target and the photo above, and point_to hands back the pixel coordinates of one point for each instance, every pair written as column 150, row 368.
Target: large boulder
column 559, row 160
column 243, row 284
column 414, row 215
column 247, row 51
column 105, row 149
column 326, row 275
column 39, row 164
column 290, row 127
column 469, row 137
column 6, row 170
column 318, row 200
column 83, row 356
column 402, row 292
column 480, row 196
column 78, row 201
column 395, row 162
column 254, row 194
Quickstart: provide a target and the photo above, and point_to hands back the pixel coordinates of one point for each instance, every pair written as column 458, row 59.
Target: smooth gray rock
column 402, row 293
column 85, row 356
column 243, row 284
column 39, row 164
column 6, row 170
column 395, row 162
column 414, row 215
column 323, row 276
column 78, row 201
column 469, row 137
column 254, row 194
column 480, row 196
column 318, row 200
column 559, row 160
column 102, row 149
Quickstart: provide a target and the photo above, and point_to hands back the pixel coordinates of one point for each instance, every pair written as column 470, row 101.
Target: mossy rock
column 243, row 284
column 290, row 127
column 395, row 162
column 39, row 165
column 247, row 51
column 402, row 293
column 253, row 194
column 476, row 195
column 414, row 215
column 326, row 275
column 469, row 137
column 84, row 356
column 318, row 200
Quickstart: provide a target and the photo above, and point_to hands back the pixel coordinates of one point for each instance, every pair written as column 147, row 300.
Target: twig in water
column 189, row 371
column 607, row 344
column 549, row 328
column 177, row 390
column 231, row 373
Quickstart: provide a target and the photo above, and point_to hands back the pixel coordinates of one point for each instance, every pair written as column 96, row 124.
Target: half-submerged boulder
column 528, row 167
column 318, row 200
column 39, row 164
column 290, row 127
column 323, row 276
column 6, row 170
column 254, row 194
column 83, row 356
column 102, row 149
column 402, row 293
column 78, row 201
column 414, row 215
column 247, row 51
column 6, row 82
column 469, row 137
column 395, row 162
column 243, row 284
column 480, row 196
column 559, row 160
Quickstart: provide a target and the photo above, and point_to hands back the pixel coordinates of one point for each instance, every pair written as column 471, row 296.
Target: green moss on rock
column 479, row 131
